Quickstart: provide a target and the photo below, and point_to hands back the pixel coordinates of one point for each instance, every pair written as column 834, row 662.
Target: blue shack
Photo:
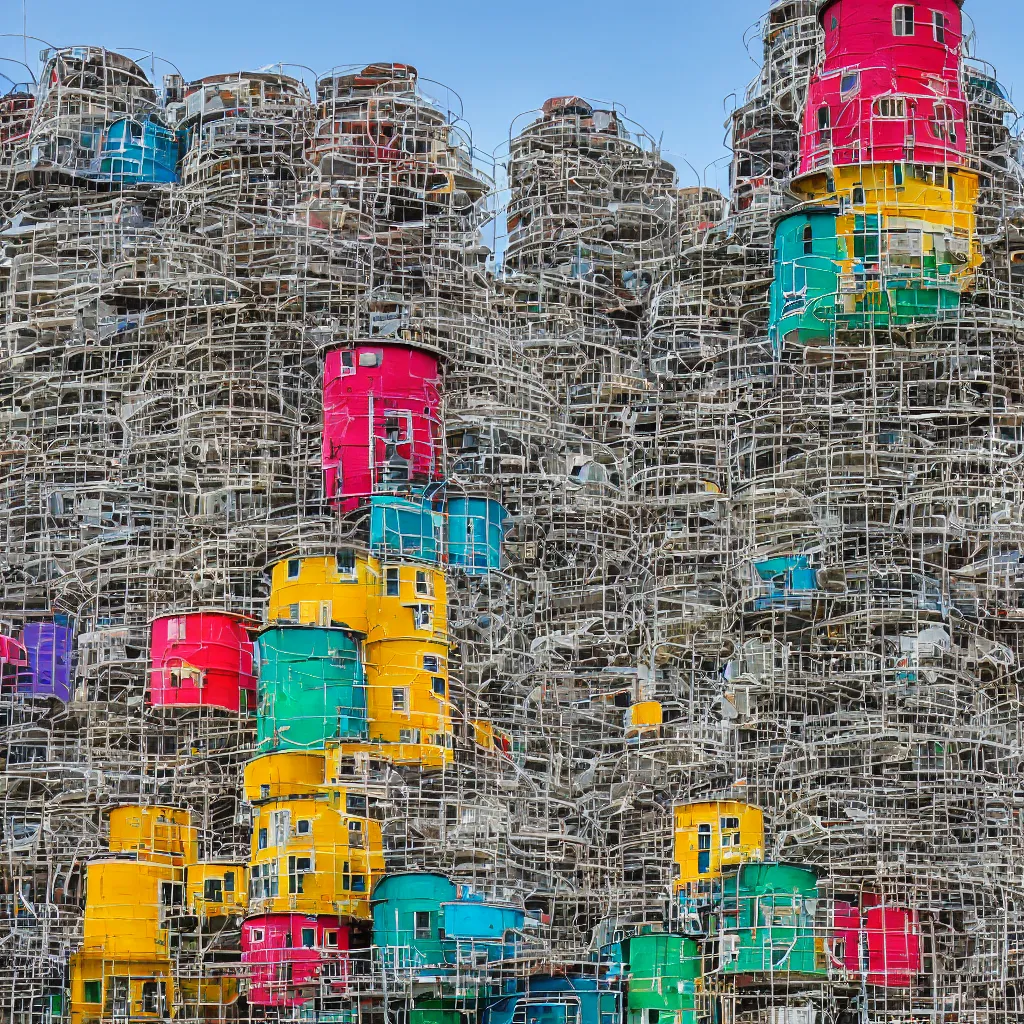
column 476, row 532
column 557, row 1000
column 138, row 151
column 425, row 923
column 402, row 527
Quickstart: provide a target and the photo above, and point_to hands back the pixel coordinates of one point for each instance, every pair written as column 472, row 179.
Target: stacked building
column 627, row 635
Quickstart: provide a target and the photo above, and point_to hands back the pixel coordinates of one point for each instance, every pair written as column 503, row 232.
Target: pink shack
column 382, row 423
column 880, row 944
column 201, row 659
column 889, row 89
column 288, row 956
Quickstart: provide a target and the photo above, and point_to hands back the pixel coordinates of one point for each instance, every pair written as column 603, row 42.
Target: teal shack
column 410, row 529
column 561, row 1000
column 311, row 688
column 766, row 923
column 825, row 279
column 663, row 973
column 476, row 533
column 426, row 924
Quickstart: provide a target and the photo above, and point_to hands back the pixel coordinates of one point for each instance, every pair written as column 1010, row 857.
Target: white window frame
column 900, row 23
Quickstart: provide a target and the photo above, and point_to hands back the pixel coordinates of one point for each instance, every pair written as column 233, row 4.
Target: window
column 421, row 924
column 229, row 881
column 392, row 585
column 422, row 616
column 897, row 174
column 359, row 883
column 939, row 26
column 213, row 890
column 345, row 563
column 264, row 790
column 429, row 662
column 730, row 829
column 331, row 939
column 824, row 119
column 297, row 868
column 859, row 197
column 943, row 124
column 424, row 584
column 399, row 698
column 903, row 20
column 371, row 357
column 308, row 939
column 355, row 803
column 261, row 842
column 153, row 997
column 294, row 566
column 293, row 613
column 94, row 991
column 348, row 364
column 439, row 686
column 808, row 239
column 256, row 935
column 890, row 106
column 303, row 827
column 398, row 427
column 176, row 628
column 952, row 187
column 849, row 84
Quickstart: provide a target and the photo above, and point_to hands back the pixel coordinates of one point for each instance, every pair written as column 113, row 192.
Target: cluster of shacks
column 627, row 634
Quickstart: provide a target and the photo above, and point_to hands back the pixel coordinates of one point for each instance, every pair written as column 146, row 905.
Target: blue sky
column 670, row 63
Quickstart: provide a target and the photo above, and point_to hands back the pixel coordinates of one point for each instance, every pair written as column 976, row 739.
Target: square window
column 439, row 686
column 213, row 890
column 94, row 991
column 371, row 357
column 903, row 20
column 392, row 582
column 430, row 662
column 424, row 584
column 399, row 698
column 331, row 939
column 359, row 883
column 303, row 827
column 421, row 924
column 256, row 935
column 308, row 938
column 294, row 567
